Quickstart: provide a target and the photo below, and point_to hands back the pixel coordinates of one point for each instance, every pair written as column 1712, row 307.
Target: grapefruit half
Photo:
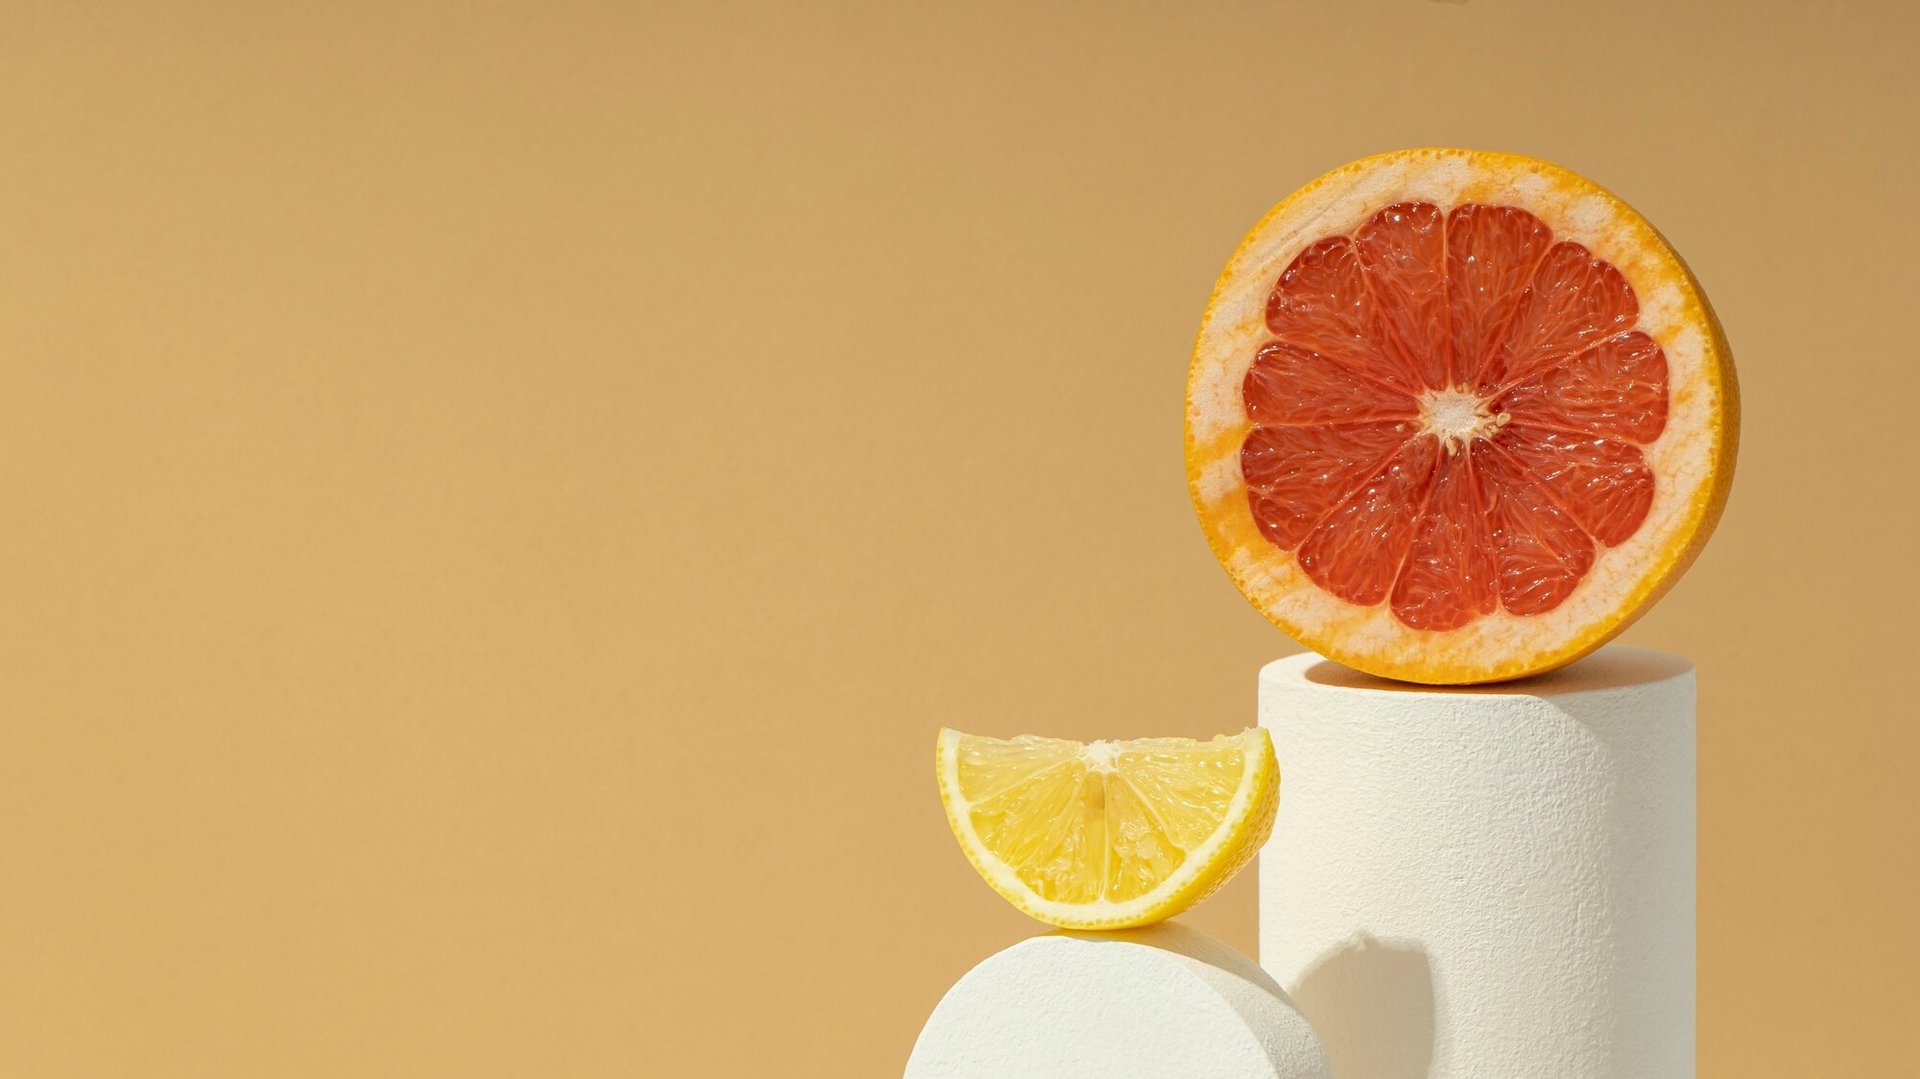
column 1457, row 416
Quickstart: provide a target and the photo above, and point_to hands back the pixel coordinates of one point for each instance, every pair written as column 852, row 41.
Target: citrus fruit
column 1106, row 835
column 1457, row 416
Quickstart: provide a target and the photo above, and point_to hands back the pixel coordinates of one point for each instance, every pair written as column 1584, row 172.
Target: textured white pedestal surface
column 1166, row 1001
column 1493, row 882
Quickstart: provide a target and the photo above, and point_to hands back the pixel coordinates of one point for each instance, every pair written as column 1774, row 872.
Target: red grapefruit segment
column 1404, row 256
column 1573, row 301
column 1491, row 255
column 1616, row 389
column 1448, row 579
column 1296, row 475
column 1321, row 304
column 1604, row 486
column 1540, row 553
column 1291, row 386
column 1356, row 550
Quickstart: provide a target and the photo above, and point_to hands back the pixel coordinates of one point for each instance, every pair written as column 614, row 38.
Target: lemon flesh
column 1106, row 835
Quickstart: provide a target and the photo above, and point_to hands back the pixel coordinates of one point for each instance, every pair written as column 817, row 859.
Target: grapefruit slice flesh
column 1457, row 416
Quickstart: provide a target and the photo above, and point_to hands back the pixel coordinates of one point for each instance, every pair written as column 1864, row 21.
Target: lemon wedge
column 1107, row 835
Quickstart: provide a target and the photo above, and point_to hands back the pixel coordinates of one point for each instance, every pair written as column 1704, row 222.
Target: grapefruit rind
column 1693, row 457
column 1244, row 829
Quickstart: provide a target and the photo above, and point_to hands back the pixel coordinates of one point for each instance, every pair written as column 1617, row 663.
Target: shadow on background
column 1371, row 1002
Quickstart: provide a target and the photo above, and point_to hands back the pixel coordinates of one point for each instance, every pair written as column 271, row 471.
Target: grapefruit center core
column 1457, row 416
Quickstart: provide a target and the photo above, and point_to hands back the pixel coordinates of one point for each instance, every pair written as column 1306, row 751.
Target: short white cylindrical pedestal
column 1161, row 1001
column 1486, row 881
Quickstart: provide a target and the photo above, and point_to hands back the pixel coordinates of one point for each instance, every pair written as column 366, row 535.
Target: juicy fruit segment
column 1450, row 415
column 1108, row 834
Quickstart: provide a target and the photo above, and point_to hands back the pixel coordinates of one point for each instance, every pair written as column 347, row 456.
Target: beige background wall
column 493, row 507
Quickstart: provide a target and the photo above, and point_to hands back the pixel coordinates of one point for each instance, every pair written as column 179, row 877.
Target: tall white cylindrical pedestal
column 1488, row 882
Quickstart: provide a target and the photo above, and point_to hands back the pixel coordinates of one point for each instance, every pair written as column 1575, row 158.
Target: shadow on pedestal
column 1371, row 1002
column 1178, row 938
column 1614, row 667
